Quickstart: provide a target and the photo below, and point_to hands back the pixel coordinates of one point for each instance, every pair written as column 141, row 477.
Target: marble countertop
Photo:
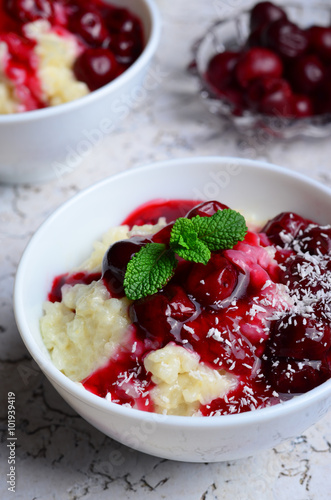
column 59, row 455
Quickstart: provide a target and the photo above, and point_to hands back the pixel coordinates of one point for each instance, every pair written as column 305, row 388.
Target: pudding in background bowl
column 271, row 190
column 55, row 52
column 62, row 84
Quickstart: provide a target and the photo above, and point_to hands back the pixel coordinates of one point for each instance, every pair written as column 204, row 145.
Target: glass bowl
column 231, row 34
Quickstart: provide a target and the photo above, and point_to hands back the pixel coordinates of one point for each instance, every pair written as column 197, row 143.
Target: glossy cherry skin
column 206, row 209
column 307, row 74
column 293, row 376
column 220, row 69
column 158, row 316
column 228, row 345
column 181, row 307
column 316, row 240
column 297, row 277
column 285, row 38
column 300, row 338
column 116, row 259
column 255, row 63
column 150, row 315
column 90, row 26
column 126, row 35
column 302, row 106
column 121, row 21
column 163, row 236
column 320, row 41
column 270, row 96
column 125, row 48
column 28, row 11
column 278, row 102
column 212, row 283
column 265, row 12
column 97, row 67
column 287, row 224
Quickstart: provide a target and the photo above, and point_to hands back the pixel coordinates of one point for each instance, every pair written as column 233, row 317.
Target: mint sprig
column 185, row 241
column 222, row 230
column 149, row 270
column 194, row 239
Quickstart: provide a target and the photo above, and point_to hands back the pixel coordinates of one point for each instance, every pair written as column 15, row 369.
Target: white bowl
column 40, row 145
column 65, row 239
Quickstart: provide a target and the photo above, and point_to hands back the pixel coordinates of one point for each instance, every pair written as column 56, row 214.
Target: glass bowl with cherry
column 269, row 67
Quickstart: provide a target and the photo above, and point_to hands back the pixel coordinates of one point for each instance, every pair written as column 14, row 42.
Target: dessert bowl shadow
column 257, row 189
column 40, row 145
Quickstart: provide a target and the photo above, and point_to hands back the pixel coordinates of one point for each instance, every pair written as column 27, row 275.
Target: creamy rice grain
column 82, row 332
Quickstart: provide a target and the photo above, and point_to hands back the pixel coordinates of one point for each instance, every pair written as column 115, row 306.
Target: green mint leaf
column 185, row 242
column 198, row 253
column 194, row 239
column 149, row 270
column 222, row 230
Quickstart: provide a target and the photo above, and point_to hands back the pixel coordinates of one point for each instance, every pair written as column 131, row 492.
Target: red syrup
column 230, row 312
column 150, row 212
column 124, row 377
column 55, row 295
column 110, row 40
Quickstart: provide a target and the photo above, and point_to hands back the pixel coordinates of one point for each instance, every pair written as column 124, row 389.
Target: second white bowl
column 47, row 143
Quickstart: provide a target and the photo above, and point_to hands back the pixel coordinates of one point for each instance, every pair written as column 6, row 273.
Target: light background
column 60, row 456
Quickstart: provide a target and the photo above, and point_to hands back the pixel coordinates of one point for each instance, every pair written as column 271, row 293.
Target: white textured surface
column 60, row 456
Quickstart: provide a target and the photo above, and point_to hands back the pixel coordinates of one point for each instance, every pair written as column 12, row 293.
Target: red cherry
column 206, row 209
column 271, row 96
column 307, row 74
column 288, row 375
column 163, row 236
column 151, row 317
column 220, row 69
column 213, row 337
column 320, row 41
column 299, row 337
column 284, row 227
column 181, row 308
column 257, row 62
column 116, row 259
column 302, row 106
column 122, row 21
column 214, row 282
column 125, row 47
column 316, row 240
column 157, row 316
column 285, row 38
column 254, row 39
column 278, row 101
column 297, row 277
column 265, row 12
column 97, row 67
column 90, row 26
column 29, row 10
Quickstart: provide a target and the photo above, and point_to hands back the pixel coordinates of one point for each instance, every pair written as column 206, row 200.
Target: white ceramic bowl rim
column 144, row 57
column 298, row 403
